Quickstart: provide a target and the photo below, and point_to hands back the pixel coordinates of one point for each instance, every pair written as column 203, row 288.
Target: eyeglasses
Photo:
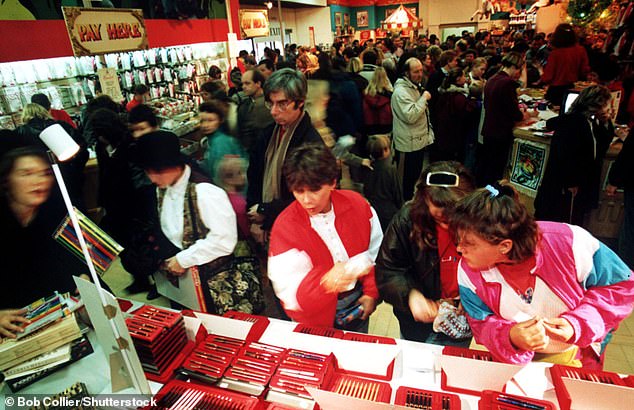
column 281, row 105
column 442, row 179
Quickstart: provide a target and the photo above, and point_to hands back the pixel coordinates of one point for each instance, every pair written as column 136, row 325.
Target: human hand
column 529, row 335
column 369, row 305
column 610, row 190
column 423, row 309
column 366, row 162
column 426, row 95
column 254, row 216
column 559, row 328
column 173, row 266
column 257, row 232
column 10, row 320
column 336, row 280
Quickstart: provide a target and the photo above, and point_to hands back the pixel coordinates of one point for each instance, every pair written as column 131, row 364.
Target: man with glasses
column 267, row 194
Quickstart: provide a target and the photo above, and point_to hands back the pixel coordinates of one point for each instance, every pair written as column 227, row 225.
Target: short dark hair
column 564, row 36
column 268, row 63
column 369, row 57
column 142, row 113
column 214, row 107
column 311, row 166
column 258, row 77
column 141, row 89
column 42, row 100
column 7, row 162
column 495, row 218
column 446, row 57
column 215, row 73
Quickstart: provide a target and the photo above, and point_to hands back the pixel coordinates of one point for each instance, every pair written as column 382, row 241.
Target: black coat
column 572, row 162
column 622, row 171
column 304, row 133
column 402, row 266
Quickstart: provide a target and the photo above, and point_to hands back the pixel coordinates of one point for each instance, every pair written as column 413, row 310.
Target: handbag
column 230, row 282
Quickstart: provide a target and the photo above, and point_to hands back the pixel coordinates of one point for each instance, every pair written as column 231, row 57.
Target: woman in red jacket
column 567, row 63
column 323, row 245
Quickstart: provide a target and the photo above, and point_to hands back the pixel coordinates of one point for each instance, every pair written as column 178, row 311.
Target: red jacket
column 299, row 258
column 566, row 65
column 377, row 110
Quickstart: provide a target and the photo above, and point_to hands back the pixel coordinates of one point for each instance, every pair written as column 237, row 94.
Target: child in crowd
column 232, row 178
column 536, row 290
column 381, row 185
column 219, row 144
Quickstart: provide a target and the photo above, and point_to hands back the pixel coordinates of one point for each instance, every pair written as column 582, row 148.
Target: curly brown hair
column 496, row 217
column 423, row 224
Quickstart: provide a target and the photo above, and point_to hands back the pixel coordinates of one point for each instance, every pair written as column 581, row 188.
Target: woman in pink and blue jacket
column 536, row 290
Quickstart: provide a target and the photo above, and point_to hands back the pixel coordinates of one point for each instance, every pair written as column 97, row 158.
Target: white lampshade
column 58, row 141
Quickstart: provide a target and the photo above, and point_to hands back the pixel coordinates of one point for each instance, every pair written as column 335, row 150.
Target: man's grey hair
column 291, row 82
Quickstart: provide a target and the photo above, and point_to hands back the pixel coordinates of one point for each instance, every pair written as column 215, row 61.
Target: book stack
column 52, row 340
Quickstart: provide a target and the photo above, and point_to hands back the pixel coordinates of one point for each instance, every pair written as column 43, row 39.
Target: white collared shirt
column 216, row 213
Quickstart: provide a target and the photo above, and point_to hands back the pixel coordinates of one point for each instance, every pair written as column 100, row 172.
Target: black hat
column 159, row 149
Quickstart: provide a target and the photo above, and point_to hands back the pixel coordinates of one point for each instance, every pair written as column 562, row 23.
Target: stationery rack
column 493, row 400
column 362, row 337
column 361, row 388
column 426, row 399
column 159, row 338
column 252, row 368
column 181, row 395
column 319, row 331
column 209, row 360
column 467, row 353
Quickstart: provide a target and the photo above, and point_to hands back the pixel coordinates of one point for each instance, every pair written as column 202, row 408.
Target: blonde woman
column 354, row 68
column 377, row 112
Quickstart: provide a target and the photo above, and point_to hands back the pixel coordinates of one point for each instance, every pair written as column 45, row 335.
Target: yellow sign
column 101, row 31
column 254, row 23
column 109, row 81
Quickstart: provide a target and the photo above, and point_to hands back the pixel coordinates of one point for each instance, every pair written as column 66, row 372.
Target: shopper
column 198, row 220
column 58, row 115
column 567, row 63
column 455, row 111
column 622, row 176
column 381, row 185
column 411, row 128
column 417, row 265
column 572, row 178
column 536, row 290
column 253, row 116
column 141, row 96
column 377, row 111
column 323, row 245
column 501, row 113
column 31, row 209
column 219, row 145
column 267, row 194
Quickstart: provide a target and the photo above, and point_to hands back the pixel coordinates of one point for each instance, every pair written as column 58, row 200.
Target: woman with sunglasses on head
column 417, row 261
column 536, row 290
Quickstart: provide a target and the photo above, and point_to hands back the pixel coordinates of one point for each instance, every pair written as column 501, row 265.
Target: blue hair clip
column 494, row 192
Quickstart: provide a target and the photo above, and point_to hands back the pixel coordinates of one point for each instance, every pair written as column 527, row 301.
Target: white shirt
column 215, row 211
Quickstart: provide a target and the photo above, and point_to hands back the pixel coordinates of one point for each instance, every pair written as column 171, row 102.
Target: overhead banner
column 254, row 23
column 100, row 31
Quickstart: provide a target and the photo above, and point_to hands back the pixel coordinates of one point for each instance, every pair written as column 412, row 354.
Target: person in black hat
column 195, row 216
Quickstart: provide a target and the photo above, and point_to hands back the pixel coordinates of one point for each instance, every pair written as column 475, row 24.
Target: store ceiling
column 285, row 4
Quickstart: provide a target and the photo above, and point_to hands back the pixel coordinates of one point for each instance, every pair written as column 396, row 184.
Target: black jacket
column 572, row 162
column 402, row 266
column 304, row 133
column 622, row 171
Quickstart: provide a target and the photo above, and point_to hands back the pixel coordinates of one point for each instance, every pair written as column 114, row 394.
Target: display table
column 411, row 364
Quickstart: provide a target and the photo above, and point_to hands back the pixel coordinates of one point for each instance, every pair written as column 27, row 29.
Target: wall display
column 100, row 31
column 254, row 23
column 362, row 18
column 338, row 19
column 346, row 19
column 528, row 164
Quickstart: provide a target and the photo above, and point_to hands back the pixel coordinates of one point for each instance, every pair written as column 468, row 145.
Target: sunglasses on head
column 442, row 179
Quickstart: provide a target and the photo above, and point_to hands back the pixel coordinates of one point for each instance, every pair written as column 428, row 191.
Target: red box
column 359, row 388
column 260, row 323
column 365, row 338
column 594, row 379
column 426, row 399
